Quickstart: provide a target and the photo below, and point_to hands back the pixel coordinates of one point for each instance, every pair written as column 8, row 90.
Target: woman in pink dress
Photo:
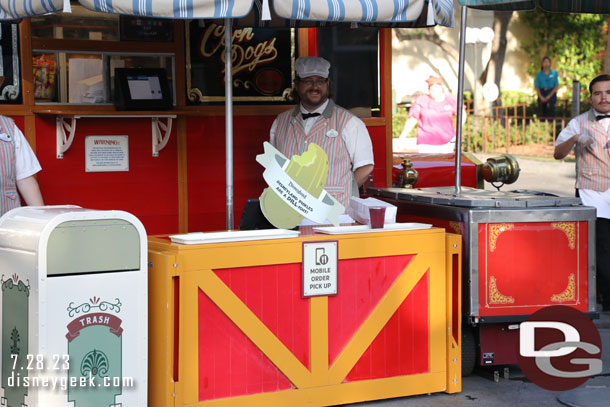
column 433, row 114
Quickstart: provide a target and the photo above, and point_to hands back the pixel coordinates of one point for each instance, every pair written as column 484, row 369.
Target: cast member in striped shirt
column 317, row 119
column 590, row 134
column 18, row 164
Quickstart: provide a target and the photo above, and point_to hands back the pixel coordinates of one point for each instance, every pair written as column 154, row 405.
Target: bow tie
column 308, row 115
column 602, row 116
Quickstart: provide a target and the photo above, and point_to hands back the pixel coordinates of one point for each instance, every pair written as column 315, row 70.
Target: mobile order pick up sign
column 319, row 268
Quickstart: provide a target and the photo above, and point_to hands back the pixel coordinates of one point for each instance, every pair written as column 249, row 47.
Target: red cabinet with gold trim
column 522, row 252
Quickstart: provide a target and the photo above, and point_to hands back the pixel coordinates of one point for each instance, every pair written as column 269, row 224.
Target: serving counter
column 229, row 324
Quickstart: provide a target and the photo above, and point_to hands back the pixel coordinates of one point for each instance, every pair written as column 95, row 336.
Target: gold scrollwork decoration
column 246, row 84
column 495, row 296
column 194, row 94
column 495, row 231
column 569, row 228
column 569, row 294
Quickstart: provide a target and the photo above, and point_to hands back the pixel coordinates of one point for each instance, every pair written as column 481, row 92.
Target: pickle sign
column 316, row 208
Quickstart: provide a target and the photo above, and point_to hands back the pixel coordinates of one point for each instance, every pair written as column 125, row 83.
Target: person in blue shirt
column 546, row 85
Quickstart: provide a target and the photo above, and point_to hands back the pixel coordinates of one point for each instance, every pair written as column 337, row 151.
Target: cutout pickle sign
column 296, row 188
column 262, row 63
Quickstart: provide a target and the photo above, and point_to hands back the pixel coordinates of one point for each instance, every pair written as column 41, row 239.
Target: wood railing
column 502, row 128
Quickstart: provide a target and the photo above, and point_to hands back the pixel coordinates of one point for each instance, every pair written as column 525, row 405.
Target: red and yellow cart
column 229, row 325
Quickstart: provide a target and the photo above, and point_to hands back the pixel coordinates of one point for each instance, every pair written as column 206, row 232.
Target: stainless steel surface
column 460, row 111
column 575, row 98
column 229, row 122
column 576, row 112
column 543, row 214
column 471, row 240
column 473, row 198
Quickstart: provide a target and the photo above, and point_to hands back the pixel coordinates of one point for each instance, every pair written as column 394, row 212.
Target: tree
column 575, row 43
column 607, row 53
column 493, row 70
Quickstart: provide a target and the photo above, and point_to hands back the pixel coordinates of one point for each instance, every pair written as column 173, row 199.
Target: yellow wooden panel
column 352, row 392
column 160, row 336
column 283, row 251
column 437, row 306
column 318, row 344
column 454, row 349
column 187, row 387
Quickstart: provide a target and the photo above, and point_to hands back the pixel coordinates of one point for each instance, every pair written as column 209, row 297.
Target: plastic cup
column 377, row 216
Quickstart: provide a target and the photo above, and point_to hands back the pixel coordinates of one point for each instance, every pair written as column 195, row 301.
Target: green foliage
column 574, row 42
column 515, row 97
column 398, row 121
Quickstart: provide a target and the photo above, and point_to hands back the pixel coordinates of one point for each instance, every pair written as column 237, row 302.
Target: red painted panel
column 20, row 122
column 401, row 348
column 379, row 153
column 530, row 262
column 149, row 190
column 229, row 363
column 500, row 341
column 436, row 170
column 206, row 168
column 362, row 283
column 273, row 294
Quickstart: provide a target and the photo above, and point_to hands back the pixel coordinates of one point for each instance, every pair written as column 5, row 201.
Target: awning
column 565, row 6
column 407, row 13
column 178, row 9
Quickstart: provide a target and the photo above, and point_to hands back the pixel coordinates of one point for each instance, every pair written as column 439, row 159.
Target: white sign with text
column 106, row 153
column 320, row 268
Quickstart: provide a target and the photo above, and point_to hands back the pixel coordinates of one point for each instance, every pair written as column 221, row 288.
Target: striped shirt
column 593, row 178
column 290, row 135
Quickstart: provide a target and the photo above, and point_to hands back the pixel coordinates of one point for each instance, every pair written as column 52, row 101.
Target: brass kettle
column 409, row 176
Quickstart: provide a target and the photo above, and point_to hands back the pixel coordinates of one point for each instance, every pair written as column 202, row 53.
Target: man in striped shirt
column 317, row 119
column 590, row 134
column 18, row 164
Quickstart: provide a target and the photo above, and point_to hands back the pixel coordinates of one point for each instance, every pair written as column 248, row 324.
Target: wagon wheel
column 469, row 350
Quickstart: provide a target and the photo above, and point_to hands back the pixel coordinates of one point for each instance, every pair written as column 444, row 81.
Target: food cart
column 192, row 179
column 189, row 178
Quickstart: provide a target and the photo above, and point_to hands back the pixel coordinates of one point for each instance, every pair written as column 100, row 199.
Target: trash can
column 73, row 308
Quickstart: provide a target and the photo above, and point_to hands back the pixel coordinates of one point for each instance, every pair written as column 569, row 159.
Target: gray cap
column 312, row 66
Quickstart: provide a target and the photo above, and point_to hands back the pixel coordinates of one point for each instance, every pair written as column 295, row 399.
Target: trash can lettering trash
column 73, row 311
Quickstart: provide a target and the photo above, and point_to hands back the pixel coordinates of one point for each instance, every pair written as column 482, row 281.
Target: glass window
column 81, row 24
column 86, row 78
column 354, row 58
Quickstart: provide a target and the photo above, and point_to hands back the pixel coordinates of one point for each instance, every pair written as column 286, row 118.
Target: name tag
column 5, row 137
column 332, row 133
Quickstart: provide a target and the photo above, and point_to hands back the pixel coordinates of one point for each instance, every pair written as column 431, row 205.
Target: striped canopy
column 566, row 6
column 310, row 12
